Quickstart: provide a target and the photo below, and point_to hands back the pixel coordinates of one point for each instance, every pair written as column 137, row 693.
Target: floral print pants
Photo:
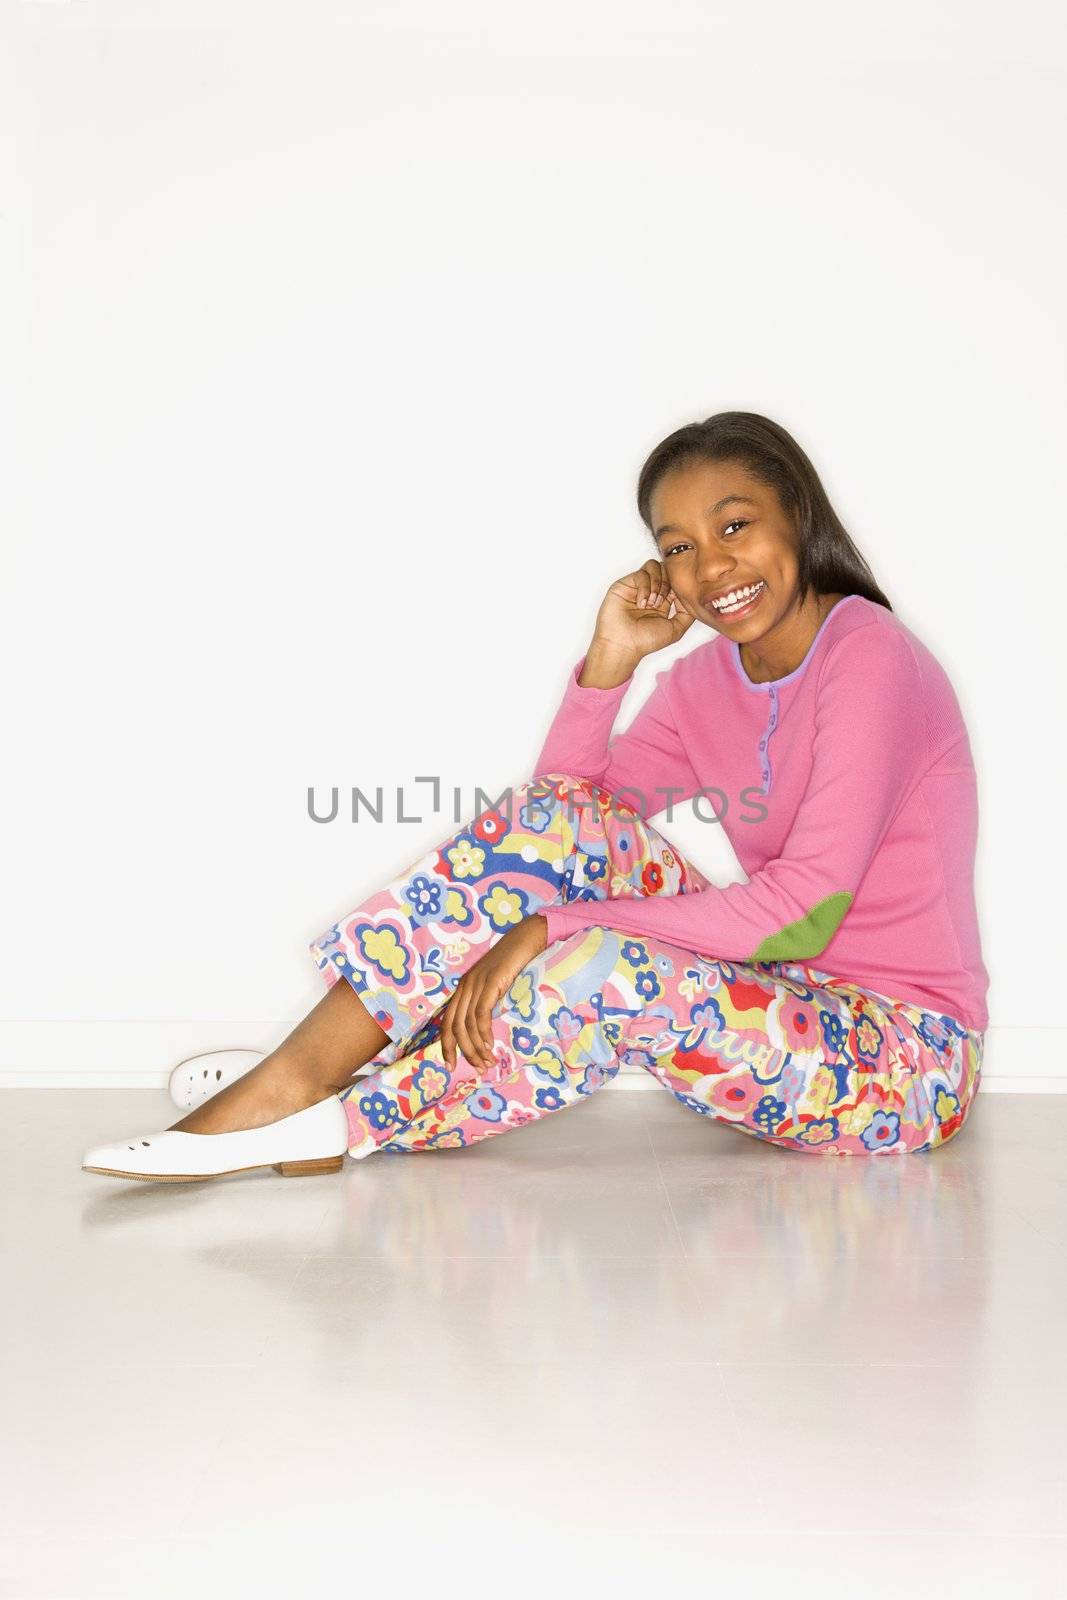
column 783, row 1052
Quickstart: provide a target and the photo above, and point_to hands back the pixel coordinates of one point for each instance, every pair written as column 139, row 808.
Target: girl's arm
column 638, row 766
column 869, row 750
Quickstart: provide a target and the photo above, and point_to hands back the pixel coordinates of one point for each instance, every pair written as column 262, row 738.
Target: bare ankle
column 318, row 1080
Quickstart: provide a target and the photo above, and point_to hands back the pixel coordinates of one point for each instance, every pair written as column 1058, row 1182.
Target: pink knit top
column 847, row 789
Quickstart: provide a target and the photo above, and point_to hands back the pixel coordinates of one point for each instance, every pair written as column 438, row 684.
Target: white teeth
column 737, row 597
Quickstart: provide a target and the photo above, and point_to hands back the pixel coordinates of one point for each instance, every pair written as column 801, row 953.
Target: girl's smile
column 737, row 601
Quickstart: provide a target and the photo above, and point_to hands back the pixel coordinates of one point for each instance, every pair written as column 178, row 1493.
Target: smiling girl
column 835, row 1003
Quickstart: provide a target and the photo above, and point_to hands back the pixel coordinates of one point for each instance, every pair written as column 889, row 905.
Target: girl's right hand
column 641, row 613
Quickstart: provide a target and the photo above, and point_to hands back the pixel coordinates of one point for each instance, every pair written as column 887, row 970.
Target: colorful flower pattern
column 783, row 1052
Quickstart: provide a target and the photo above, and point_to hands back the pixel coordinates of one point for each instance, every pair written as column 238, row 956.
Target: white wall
column 337, row 336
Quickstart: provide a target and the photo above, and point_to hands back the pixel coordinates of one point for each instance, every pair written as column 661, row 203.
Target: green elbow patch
column 809, row 936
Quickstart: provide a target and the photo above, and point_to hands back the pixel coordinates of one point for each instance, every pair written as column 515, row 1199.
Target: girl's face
column 728, row 548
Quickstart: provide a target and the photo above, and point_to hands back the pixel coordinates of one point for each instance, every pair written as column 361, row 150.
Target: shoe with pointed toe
column 197, row 1078
column 310, row 1141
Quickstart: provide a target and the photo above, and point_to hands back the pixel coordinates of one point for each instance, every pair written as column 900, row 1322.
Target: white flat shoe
column 312, row 1140
column 197, row 1078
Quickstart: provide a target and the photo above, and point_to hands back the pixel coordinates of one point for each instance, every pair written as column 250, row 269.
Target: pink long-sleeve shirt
column 847, row 789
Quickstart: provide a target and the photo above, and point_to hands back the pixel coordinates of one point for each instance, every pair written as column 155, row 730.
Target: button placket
column 772, row 723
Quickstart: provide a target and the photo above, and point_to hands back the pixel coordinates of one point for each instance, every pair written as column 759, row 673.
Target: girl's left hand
column 467, row 1013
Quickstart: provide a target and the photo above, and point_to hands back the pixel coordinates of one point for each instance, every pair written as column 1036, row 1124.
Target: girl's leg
column 555, row 1034
column 317, row 1059
column 801, row 1059
column 404, row 949
column 816, row 1066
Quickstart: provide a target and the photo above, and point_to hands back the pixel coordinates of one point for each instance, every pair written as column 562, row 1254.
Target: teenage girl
column 833, row 1004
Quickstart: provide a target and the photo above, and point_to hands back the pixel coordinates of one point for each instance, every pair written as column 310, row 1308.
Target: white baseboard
column 140, row 1055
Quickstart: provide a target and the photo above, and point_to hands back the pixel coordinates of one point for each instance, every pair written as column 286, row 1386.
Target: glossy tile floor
column 625, row 1346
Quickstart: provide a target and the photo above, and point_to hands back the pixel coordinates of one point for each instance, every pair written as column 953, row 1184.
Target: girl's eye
column 738, row 522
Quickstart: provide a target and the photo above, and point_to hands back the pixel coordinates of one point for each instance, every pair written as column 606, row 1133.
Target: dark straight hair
column 829, row 562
